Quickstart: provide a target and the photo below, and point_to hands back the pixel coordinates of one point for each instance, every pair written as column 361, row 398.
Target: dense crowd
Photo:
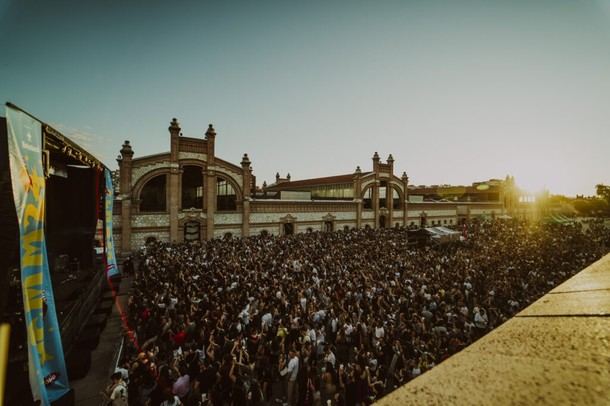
column 330, row 318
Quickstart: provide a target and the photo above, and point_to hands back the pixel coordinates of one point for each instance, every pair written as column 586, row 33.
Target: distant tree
column 603, row 191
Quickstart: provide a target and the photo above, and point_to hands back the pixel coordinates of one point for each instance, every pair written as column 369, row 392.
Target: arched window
column 395, row 199
column 152, row 196
column 226, row 200
column 367, row 199
column 192, row 188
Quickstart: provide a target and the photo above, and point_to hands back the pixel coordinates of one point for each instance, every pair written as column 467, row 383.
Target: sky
column 457, row 91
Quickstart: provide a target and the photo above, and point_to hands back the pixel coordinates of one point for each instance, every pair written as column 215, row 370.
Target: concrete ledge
column 556, row 351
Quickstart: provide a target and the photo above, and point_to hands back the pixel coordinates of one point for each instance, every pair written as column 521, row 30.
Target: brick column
column 125, row 195
column 375, row 197
column 358, row 196
column 173, row 189
column 246, row 193
column 375, row 190
column 389, row 194
column 405, row 203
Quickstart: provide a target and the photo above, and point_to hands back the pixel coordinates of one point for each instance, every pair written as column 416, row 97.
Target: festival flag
column 47, row 369
column 111, row 266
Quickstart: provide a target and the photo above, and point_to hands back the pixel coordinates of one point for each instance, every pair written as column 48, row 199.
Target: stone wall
column 235, row 232
column 262, row 218
column 138, row 239
column 149, row 220
column 228, row 218
column 193, row 155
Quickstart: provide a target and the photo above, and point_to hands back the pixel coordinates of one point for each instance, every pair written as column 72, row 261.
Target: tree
column 603, row 191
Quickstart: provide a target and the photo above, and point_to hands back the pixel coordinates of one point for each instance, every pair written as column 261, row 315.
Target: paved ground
column 87, row 390
column 556, row 351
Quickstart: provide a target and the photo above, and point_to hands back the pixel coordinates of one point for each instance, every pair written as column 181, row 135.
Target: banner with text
column 47, row 370
column 111, row 267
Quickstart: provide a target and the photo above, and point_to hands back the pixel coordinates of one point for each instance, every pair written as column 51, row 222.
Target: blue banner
column 47, row 370
column 111, row 267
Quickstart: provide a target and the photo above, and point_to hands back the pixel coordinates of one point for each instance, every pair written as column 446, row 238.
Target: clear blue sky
column 457, row 91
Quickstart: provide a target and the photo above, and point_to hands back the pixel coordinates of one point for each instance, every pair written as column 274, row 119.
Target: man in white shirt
column 329, row 356
column 292, row 371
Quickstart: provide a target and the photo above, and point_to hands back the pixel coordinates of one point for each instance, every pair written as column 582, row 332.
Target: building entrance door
column 328, row 226
column 288, row 228
column 381, row 221
column 192, row 231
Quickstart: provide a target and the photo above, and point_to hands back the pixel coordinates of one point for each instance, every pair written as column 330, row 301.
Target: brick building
column 191, row 194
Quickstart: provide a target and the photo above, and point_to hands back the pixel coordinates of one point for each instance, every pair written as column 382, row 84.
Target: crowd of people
column 337, row 318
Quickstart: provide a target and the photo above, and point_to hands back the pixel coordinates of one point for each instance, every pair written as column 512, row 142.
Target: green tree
column 603, row 191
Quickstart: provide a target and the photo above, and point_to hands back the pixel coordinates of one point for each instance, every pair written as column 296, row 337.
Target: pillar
column 174, row 180
column 210, row 182
column 125, row 195
column 246, row 188
column 405, row 185
column 358, row 196
column 375, row 190
column 389, row 192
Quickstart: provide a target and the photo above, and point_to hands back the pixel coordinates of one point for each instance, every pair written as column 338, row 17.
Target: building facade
column 190, row 194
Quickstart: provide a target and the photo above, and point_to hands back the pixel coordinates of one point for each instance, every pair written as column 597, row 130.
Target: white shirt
column 266, row 320
column 292, row 369
column 119, row 395
column 330, row 357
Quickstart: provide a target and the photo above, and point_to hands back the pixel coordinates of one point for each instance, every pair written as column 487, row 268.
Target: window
column 226, row 200
column 367, row 199
column 192, row 188
column 395, row 199
column 383, row 192
column 152, row 196
column 445, row 221
column 333, row 192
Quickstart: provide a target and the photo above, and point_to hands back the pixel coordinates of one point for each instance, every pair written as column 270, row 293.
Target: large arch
column 226, row 195
column 367, row 197
column 401, row 200
column 153, row 195
column 392, row 185
column 139, row 185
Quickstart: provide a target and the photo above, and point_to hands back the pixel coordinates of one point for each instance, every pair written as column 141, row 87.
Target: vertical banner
column 47, row 370
column 111, row 267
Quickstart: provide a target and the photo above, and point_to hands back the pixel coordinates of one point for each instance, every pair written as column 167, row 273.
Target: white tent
column 443, row 234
